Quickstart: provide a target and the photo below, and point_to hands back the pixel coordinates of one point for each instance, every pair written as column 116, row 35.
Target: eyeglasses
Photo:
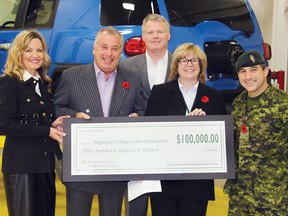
column 194, row 61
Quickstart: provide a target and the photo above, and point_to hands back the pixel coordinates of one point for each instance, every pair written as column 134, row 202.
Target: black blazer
column 25, row 119
column 167, row 99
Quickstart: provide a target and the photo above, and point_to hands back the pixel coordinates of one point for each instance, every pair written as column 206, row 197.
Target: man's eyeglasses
column 194, row 61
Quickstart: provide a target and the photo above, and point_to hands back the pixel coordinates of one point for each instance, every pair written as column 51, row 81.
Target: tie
column 36, row 84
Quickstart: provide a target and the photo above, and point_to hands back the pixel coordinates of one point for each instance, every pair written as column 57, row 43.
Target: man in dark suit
column 153, row 67
column 99, row 89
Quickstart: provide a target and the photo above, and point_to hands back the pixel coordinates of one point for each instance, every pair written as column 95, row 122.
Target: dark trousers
column 136, row 207
column 30, row 194
column 79, row 203
column 170, row 206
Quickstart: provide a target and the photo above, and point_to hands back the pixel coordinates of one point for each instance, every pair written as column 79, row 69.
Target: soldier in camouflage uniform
column 261, row 142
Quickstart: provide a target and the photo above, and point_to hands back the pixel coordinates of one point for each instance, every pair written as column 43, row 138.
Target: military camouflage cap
column 249, row 58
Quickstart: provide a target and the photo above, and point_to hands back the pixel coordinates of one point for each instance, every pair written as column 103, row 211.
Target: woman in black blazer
column 185, row 94
column 27, row 121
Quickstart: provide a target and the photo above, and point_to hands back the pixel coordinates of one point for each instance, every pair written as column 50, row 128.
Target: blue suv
column 223, row 28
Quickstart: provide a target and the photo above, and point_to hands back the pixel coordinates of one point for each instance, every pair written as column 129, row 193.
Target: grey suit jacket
column 138, row 65
column 77, row 91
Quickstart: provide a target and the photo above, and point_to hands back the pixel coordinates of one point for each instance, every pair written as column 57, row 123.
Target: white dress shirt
column 156, row 72
column 189, row 95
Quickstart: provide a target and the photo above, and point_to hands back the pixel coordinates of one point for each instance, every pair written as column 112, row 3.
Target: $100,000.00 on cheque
column 131, row 148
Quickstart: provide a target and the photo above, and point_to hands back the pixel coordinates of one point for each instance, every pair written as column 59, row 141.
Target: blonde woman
column 185, row 94
column 27, row 121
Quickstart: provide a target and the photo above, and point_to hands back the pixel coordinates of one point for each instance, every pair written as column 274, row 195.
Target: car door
column 18, row 15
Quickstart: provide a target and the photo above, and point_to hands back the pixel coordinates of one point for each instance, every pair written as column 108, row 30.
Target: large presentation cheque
column 148, row 148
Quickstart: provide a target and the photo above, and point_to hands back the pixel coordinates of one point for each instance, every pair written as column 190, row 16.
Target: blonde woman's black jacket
column 25, row 120
column 166, row 99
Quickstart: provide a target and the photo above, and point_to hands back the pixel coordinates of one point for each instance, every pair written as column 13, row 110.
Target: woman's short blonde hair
column 181, row 52
column 14, row 65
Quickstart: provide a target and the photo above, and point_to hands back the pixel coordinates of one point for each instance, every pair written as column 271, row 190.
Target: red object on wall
column 279, row 76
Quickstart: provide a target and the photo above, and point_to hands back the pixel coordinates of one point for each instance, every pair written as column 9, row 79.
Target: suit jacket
column 167, row 99
column 138, row 65
column 77, row 91
column 25, row 119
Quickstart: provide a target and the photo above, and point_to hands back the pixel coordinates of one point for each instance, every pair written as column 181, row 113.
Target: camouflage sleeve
column 285, row 117
column 285, row 123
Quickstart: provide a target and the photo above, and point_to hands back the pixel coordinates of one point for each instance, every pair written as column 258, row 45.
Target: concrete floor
column 219, row 207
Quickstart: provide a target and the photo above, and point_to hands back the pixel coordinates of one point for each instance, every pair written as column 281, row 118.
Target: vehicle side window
column 9, row 10
column 233, row 13
column 40, row 13
column 126, row 12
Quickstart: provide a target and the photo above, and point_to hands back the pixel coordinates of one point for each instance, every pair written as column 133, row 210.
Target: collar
column 162, row 60
column 27, row 76
column 182, row 87
column 241, row 100
column 98, row 71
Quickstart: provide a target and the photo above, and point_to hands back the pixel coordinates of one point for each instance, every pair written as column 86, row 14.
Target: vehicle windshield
column 126, row 12
column 233, row 13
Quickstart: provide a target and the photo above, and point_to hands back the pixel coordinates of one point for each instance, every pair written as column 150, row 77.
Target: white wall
column 263, row 10
column 272, row 17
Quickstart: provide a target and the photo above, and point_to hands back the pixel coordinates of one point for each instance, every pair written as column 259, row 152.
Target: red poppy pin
column 243, row 129
column 126, row 85
column 205, row 99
